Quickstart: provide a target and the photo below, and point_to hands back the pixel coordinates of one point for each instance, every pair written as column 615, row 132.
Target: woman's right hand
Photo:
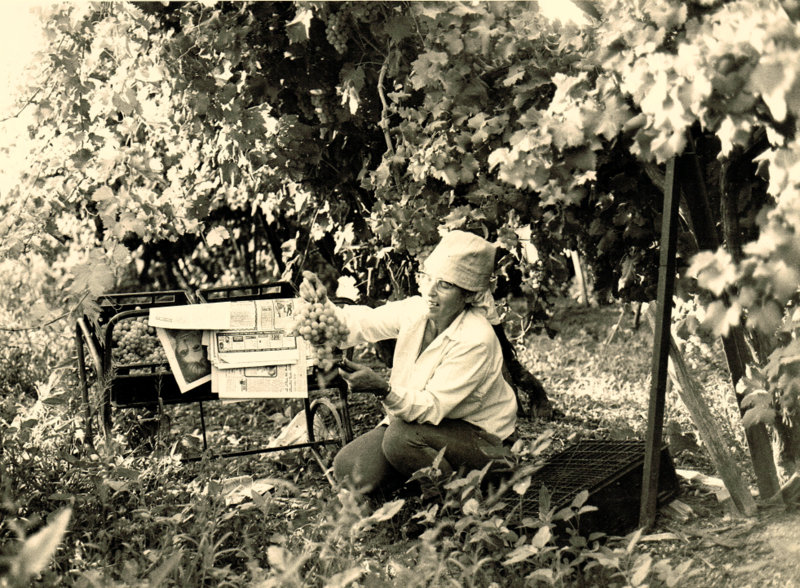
column 311, row 288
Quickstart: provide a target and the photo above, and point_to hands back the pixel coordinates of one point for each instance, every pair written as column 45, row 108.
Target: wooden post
column 658, row 382
column 737, row 353
column 580, row 275
column 723, row 461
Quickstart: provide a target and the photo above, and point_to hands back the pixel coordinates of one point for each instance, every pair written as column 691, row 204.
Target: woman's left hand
column 361, row 378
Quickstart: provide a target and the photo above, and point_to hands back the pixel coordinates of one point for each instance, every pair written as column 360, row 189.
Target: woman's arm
column 366, row 324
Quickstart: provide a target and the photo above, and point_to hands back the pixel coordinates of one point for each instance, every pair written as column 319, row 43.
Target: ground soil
column 596, row 371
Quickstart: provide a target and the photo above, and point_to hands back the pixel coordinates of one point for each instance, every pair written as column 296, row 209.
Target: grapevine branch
column 30, row 100
column 385, row 106
column 385, row 116
column 308, row 241
column 62, row 316
column 35, row 327
column 27, row 103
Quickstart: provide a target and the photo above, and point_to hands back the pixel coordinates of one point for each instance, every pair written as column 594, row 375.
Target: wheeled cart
column 110, row 383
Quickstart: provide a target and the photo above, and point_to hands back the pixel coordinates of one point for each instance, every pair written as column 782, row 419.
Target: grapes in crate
column 317, row 323
column 134, row 341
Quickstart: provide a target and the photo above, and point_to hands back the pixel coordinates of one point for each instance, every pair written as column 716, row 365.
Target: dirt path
column 759, row 552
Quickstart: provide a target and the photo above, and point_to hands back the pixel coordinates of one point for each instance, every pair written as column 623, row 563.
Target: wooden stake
column 661, row 335
column 723, row 461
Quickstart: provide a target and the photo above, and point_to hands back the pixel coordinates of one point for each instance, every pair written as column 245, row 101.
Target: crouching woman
column 446, row 388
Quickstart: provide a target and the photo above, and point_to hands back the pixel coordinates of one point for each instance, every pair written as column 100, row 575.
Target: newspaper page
column 249, row 351
column 250, row 348
column 242, row 314
column 263, row 315
column 264, row 362
column 204, row 317
column 187, row 357
column 274, row 381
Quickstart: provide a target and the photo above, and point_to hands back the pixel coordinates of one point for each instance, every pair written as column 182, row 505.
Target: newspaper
column 187, row 356
column 248, row 348
column 274, row 381
column 246, row 314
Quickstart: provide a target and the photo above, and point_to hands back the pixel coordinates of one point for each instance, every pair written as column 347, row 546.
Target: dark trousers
column 385, row 457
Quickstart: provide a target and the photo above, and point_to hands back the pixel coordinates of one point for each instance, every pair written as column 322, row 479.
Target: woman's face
column 445, row 300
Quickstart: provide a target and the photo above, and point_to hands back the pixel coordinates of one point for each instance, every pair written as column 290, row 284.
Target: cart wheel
column 327, row 430
column 96, row 400
column 100, row 408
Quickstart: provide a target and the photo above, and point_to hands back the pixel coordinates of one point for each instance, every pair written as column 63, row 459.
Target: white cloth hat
column 463, row 259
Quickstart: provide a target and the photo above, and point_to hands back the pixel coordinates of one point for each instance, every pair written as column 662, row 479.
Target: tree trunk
column 735, row 186
column 273, row 243
column 580, row 275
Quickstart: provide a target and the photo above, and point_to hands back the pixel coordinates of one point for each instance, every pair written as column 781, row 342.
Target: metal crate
column 249, row 292
column 611, row 471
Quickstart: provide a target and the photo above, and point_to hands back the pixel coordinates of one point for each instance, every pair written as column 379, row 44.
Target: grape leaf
column 297, row 29
column 95, row 277
column 758, row 414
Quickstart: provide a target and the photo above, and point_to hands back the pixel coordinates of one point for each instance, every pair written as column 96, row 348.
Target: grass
column 139, row 518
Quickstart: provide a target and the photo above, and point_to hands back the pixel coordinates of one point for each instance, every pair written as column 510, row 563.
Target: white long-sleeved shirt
column 458, row 376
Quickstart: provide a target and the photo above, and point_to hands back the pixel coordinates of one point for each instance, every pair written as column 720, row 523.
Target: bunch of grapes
column 336, row 31
column 367, row 11
column 317, row 323
column 136, row 342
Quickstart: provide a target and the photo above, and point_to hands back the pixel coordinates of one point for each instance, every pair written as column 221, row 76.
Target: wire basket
column 611, row 471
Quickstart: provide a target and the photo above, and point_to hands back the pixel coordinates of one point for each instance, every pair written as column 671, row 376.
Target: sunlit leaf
column 217, row 236
column 520, row 554
column 758, row 414
column 39, row 548
column 522, row 486
column 388, row 510
column 297, row 29
column 542, row 537
column 760, row 398
column 345, row 578
column 641, row 569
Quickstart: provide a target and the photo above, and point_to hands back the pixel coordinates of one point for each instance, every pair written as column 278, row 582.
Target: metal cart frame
column 152, row 385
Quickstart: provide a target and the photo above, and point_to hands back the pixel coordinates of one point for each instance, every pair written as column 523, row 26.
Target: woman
column 446, row 387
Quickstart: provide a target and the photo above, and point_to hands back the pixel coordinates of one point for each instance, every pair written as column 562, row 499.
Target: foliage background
column 190, row 145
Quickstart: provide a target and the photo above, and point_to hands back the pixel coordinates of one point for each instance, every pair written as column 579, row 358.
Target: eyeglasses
column 424, row 280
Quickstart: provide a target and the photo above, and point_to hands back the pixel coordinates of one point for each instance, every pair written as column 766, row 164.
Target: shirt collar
column 455, row 330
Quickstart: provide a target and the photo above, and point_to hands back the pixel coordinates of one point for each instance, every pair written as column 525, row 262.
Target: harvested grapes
column 318, row 324
column 134, row 341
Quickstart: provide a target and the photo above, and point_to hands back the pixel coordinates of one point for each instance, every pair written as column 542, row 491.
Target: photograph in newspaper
column 187, row 357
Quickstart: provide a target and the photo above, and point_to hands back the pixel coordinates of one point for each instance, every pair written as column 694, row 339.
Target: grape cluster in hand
column 318, row 324
column 134, row 341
